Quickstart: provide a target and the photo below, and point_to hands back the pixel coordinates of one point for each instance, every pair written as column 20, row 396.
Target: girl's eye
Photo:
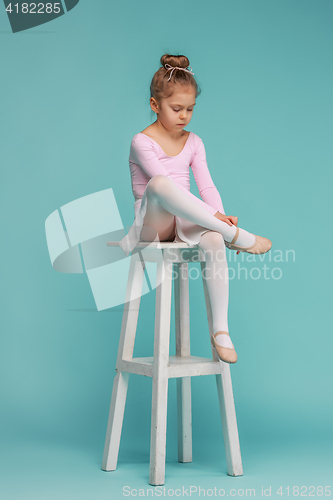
column 179, row 110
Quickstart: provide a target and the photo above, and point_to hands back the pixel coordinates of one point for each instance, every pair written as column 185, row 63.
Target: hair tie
column 176, row 67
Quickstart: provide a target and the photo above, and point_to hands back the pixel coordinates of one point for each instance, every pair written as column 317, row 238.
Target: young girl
column 166, row 210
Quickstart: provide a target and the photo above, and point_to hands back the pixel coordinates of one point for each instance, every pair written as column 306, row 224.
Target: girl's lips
column 181, row 124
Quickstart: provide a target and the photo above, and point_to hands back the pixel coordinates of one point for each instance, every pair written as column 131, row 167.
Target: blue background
column 73, row 94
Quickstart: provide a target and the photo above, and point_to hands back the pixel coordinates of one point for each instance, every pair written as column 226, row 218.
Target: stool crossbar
column 161, row 366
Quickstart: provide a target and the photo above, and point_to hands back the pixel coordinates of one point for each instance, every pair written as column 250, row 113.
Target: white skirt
column 185, row 231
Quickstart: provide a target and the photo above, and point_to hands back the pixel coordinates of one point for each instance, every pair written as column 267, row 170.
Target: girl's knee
column 212, row 243
column 157, row 183
column 213, row 240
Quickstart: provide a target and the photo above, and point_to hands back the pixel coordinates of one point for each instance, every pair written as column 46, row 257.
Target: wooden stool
column 171, row 260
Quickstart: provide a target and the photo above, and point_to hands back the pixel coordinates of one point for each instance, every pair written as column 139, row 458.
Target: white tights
column 165, row 200
column 217, row 278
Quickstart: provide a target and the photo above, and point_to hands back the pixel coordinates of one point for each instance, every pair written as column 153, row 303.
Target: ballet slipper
column 226, row 352
column 261, row 245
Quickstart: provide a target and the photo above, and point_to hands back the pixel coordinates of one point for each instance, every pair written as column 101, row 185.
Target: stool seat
column 172, row 259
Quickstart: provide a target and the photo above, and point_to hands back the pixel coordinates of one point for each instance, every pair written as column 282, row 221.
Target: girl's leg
column 217, row 279
column 164, row 200
column 157, row 221
column 163, row 193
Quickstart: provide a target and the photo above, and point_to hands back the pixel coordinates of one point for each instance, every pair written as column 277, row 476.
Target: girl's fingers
column 227, row 221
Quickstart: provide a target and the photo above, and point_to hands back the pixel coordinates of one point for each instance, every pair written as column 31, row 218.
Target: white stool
column 161, row 366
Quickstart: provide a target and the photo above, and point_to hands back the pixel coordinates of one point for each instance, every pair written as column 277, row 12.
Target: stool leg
column 229, row 421
column 160, row 372
column 125, row 351
column 115, row 421
column 226, row 400
column 182, row 317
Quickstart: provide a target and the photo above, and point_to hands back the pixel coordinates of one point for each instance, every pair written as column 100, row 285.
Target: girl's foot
column 261, row 244
column 224, row 347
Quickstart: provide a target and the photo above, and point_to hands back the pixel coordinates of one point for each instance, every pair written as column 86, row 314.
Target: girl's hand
column 231, row 220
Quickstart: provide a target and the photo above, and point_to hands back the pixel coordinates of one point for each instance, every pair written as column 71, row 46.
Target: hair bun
column 167, row 77
column 180, row 60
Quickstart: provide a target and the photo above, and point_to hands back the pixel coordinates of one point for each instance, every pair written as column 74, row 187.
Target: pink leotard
column 148, row 159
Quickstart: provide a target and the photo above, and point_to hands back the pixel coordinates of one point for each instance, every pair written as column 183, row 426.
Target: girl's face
column 175, row 112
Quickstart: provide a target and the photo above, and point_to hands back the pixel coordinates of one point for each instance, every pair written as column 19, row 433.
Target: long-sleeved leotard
column 148, row 159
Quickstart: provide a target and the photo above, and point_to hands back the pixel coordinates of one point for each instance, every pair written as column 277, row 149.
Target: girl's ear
column 154, row 105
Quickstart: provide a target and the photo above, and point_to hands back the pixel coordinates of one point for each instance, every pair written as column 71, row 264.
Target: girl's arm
column 206, row 186
column 146, row 157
